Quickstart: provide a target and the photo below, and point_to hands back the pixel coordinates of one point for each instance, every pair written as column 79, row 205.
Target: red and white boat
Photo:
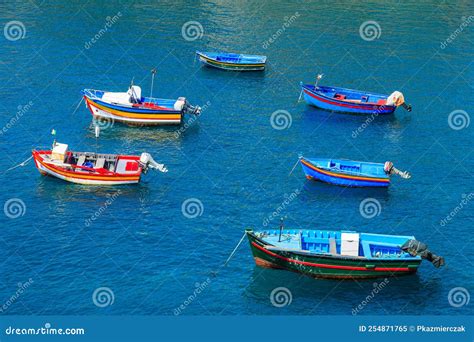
column 93, row 168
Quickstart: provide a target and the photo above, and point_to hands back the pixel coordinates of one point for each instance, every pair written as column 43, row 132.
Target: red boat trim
column 341, row 104
column 353, row 268
column 332, row 174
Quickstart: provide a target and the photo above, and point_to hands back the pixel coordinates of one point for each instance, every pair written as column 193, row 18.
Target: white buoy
column 97, row 131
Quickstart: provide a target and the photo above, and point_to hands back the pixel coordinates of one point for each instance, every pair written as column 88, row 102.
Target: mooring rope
column 23, row 163
column 214, row 273
column 299, row 98
column 75, row 110
column 235, row 250
column 294, row 167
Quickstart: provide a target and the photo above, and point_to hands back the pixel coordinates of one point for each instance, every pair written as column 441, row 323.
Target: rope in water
column 214, row 273
column 23, row 163
column 235, row 250
column 294, row 167
column 299, row 98
column 75, row 110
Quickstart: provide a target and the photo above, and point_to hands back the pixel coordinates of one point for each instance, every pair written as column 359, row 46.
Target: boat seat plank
column 100, row 163
column 332, row 246
column 81, row 160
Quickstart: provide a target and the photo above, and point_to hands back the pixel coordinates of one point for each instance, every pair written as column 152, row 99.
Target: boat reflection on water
column 316, row 190
column 291, row 293
column 128, row 135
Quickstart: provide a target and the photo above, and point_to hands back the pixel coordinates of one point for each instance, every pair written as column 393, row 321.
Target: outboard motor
column 147, row 162
column 392, row 170
column 194, row 110
column 415, row 248
column 397, row 99
column 135, row 93
column 183, row 105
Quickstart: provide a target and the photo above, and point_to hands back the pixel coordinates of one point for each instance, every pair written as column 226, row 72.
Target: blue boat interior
column 348, row 95
column 233, row 57
column 351, row 167
column 98, row 94
column 370, row 246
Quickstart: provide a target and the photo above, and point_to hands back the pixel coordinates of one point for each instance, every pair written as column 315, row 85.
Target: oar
column 214, row 273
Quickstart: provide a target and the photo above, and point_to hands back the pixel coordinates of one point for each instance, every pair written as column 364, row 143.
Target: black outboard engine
column 183, row 105
column 414, row 248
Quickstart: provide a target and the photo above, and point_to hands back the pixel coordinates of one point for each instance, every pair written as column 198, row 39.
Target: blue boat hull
column 314, row 172
column 316, row 99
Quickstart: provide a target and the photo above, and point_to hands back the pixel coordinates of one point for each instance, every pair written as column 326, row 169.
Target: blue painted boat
column 232, row 61
column 349, row 172
column 352, row 101
column 339, row 254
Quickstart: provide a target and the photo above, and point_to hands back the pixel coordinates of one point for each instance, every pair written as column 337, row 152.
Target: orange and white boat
column 93, row 168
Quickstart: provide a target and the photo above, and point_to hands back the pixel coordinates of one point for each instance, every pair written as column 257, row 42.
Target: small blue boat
column 232, row 61
column 352, row 101
column 350, row 173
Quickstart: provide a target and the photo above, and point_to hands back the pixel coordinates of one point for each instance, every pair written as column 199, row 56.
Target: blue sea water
column 141, row 246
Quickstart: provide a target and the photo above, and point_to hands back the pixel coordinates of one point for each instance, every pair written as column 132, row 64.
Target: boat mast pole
column 97, row 133
column 317, row 80
column 281, row 229
column 153, row 72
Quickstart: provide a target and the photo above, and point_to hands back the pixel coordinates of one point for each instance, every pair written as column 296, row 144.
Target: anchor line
column 77, row 107
column 23, row 163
